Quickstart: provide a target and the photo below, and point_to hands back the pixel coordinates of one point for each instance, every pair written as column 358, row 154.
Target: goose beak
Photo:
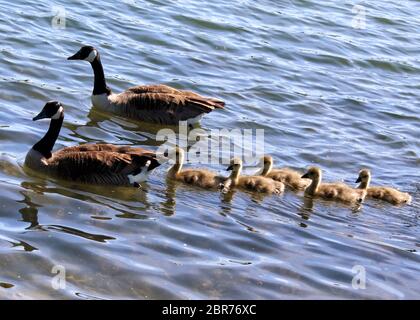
column 41, row 115
column 76, row 56
column 305, row 176
column 229, row 168
column 358, row 180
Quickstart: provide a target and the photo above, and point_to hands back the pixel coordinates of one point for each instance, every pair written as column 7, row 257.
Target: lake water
column 328, row 87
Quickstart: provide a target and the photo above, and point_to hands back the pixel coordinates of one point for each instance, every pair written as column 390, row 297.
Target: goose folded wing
column 161, row 96
column 109, row 148
column 154, row 88
column 74, row 165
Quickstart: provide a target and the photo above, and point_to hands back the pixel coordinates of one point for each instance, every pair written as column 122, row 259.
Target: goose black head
column 87, row 53
column 52, row 110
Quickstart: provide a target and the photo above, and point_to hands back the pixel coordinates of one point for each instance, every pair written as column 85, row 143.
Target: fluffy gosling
column 291, row 178
column 331, row 191
column 199, row 177
column 251, row 183
column 388, row 194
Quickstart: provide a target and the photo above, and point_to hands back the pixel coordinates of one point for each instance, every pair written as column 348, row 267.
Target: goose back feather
column 161, row 104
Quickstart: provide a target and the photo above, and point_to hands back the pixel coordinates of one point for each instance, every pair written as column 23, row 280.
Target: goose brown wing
column 100, row 164
column 154, row 88
column 169, row 105
column 107, row 147
column 161, row 88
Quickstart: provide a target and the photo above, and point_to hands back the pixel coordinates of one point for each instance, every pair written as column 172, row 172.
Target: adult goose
column 89, row 163
column 150, row 103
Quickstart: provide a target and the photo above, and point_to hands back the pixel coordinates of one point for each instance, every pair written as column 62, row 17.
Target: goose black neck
column 46, row 144
column 99, row 86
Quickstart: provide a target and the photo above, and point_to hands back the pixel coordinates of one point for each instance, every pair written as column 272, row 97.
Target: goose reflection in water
column 306, row 209
column 30, row 212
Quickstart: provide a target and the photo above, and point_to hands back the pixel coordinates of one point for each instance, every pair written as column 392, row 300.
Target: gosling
column 251, row 183
column 289, row 177
column 387, row 194
column 198, row 177
column 331, row 191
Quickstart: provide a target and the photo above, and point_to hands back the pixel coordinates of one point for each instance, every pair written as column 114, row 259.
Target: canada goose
column 388, row 194
column 150, row 103
column 251, row 183
column 289, row 177
column 89, row 163
column 331, row 191
column 199, row 177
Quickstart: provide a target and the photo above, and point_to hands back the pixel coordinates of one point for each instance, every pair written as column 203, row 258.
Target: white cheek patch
column 142, row 176
column 58, row 114
column 92, row 55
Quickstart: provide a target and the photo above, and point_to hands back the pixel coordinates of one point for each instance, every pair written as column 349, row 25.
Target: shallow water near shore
column 325, row 94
